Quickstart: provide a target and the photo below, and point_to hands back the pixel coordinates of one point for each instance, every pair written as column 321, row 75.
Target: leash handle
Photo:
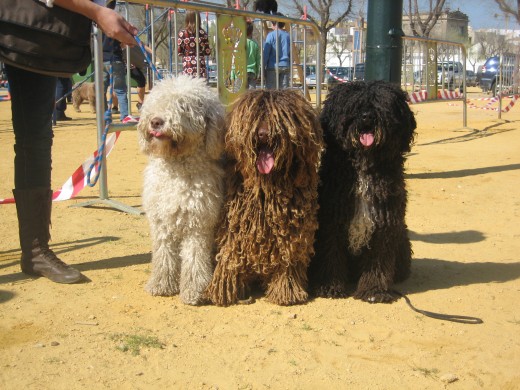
column 439, row 316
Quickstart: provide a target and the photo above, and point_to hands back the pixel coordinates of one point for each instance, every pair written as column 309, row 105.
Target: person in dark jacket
column 33, row 97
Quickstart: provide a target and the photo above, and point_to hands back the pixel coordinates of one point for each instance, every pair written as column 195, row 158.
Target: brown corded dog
column 273, row 144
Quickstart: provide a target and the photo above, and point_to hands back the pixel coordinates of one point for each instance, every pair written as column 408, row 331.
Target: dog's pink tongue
column 265, row 161
column 156, row 134
column 366, row 139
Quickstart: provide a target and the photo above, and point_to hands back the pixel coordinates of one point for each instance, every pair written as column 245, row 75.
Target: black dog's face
column 368, row 116
column 365, row 130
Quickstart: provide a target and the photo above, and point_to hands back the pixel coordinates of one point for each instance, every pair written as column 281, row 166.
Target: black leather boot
column 33, row 207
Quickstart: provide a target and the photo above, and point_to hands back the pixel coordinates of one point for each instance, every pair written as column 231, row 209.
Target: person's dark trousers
column 32, row 105
column 63, row 87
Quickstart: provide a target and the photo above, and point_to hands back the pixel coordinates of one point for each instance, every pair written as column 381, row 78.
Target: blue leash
column 98, row 159
column 147, row 57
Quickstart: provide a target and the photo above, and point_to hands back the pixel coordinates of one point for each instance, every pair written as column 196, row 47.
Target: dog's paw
column 193, row 298
column 287, row 298
column 161, row 290
column 334, row 289
column 221, row 297
column 376, row 296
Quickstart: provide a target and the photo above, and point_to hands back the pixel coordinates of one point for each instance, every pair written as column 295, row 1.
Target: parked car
column 310, row 80
column 490, row 76
column 450, row 74
column 339, row 74
column 310, row 69
column 479, row 74
column 212, row 75
column 359, row 71
column 471, row 78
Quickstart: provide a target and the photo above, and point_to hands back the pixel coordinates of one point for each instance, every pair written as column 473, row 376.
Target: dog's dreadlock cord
column 439, row 316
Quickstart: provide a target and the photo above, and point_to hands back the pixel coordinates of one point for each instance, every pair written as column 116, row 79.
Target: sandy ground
column 463, row 215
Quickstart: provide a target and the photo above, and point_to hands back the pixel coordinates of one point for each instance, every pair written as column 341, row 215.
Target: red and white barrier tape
column 78, row 180
column 448, row 95
column 511, row 104
column 507, row 108
column 337, row 78
column 421, row 96
column 417, row 97
column 5, row 84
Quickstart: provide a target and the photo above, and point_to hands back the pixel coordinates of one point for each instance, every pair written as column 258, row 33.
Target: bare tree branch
column 507, row 8
column 422, row 23
column 322, row 13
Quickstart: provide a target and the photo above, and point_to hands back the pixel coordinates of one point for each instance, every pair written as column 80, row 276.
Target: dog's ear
column 408, row 123
column 215, row 130
column 409, row 131
column 400, row 114
column 141, row 131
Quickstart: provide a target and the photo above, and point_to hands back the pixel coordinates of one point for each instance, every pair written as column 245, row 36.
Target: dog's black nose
column 365, row 117
column 156, row 123
column 263, row 134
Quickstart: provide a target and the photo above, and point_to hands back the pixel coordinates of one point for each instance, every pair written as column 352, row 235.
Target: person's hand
column 115, row 26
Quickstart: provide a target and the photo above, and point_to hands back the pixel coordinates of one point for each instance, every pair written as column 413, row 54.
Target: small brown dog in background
column 84, row 92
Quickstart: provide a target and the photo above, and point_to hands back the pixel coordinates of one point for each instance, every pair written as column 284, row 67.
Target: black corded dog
column 362, row 236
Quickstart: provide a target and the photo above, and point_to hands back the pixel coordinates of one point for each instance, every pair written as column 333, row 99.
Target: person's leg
column 140, row 94
column 120, row 87
column 115, row 104
column 285, row 78
column 270, row 79
column 251, row 80
column 32, row 105
column 106, row 82
column 62, row 87
column 69, row 90
column 141, row 85
column 138, row 76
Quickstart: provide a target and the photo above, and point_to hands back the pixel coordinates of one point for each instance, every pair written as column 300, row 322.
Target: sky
column 481, row 13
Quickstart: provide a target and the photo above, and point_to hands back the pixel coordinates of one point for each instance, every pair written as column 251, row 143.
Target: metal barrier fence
column 229, row 37
column 226, row 31
column 436, row 69
column 499, row 77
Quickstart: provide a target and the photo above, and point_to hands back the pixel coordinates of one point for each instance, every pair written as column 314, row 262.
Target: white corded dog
column 181, row 129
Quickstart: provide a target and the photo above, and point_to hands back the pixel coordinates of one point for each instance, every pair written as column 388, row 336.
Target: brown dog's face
column 264, row 151
column 274, row 136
